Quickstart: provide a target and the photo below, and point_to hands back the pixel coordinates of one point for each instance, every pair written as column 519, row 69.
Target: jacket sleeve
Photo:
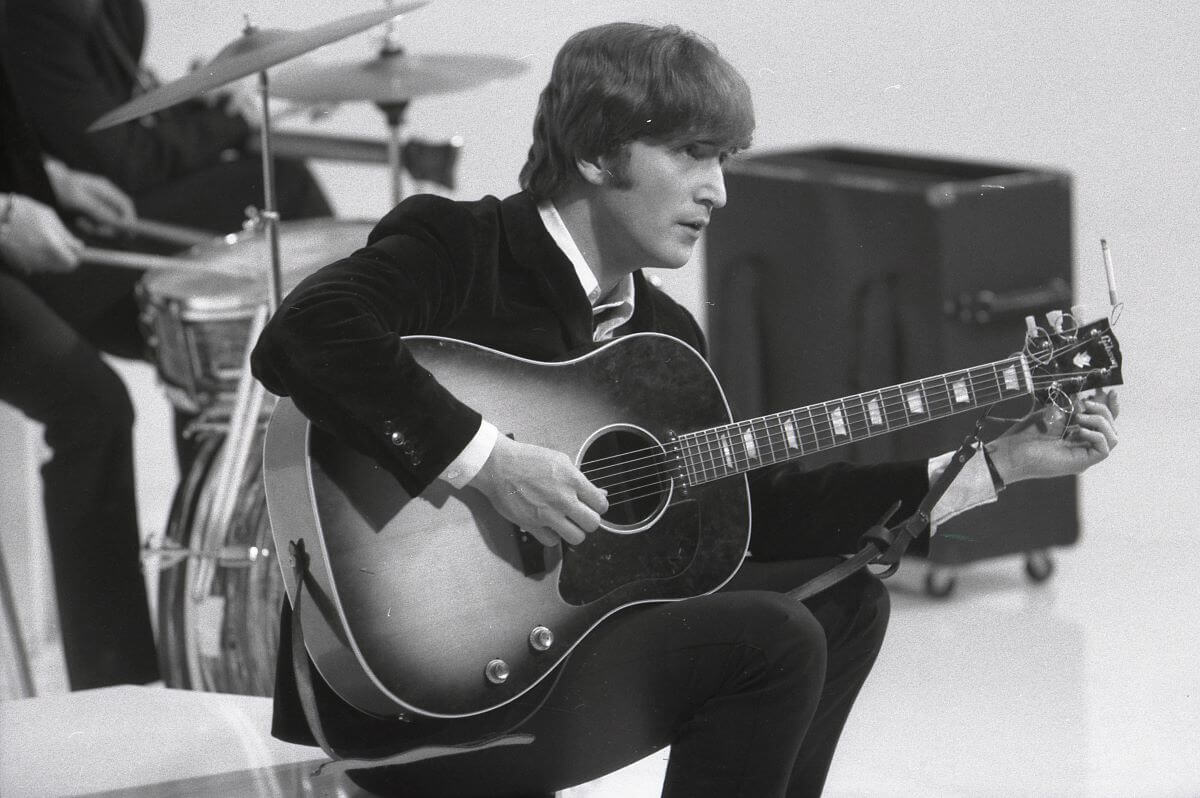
column 797, row 513
column 65, row 82
column 335, row 347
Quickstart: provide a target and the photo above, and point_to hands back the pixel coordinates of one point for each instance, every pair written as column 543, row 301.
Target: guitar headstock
column 1070, row 359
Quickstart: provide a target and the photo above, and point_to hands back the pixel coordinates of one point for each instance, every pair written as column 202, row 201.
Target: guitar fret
column 791, row 434
column 712, row 463
column 766, row 439
column 694, row 458
column 822, row 426
column 961, row 391
column 876, row 411
column 941, row 407
column 858, row 419
column 837, row 421
column 996, row 379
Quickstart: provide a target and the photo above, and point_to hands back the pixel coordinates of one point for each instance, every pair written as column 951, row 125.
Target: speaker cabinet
column 833, row 271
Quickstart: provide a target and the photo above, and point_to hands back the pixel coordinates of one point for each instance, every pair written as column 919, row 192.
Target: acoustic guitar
column 435, row 604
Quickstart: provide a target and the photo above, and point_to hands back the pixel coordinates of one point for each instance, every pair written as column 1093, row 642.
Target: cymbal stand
column 243, row 423
column 394, row 114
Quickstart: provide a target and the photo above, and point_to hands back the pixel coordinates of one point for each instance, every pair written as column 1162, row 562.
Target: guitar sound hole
column 628, row 463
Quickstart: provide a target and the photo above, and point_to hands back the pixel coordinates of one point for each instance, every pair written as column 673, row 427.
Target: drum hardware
column 428, row 161
column 390, row 80
column 248, row 406
column 197, row 322
column 169, row 555
column 255, row 52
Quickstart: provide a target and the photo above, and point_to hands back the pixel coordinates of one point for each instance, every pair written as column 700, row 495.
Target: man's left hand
column 1051, row 443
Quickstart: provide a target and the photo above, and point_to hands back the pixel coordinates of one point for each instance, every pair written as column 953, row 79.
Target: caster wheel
column 939, row 583
column 1039, row 566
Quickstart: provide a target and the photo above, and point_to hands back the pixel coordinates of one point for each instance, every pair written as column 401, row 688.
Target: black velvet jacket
column 488, row 272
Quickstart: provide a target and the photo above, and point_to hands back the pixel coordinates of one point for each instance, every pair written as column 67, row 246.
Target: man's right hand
column 35, row 239
column 541, row 491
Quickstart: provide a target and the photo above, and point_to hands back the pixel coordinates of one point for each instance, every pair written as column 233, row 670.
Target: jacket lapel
column 534, row 250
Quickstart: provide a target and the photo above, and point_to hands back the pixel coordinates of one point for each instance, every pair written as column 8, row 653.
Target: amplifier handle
column 985, row 306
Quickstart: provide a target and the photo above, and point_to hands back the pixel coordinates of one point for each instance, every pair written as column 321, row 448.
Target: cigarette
column 1108, row 272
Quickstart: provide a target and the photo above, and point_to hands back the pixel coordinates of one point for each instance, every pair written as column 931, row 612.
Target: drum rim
column 240, row 290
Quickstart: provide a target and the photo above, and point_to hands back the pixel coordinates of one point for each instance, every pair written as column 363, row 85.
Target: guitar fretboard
column 723, row 451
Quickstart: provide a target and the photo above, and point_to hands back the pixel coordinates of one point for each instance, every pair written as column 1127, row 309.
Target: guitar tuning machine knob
column 541, row 638
column 497, row 671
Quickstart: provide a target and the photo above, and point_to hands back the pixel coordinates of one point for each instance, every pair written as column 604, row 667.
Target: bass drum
column 218, row 607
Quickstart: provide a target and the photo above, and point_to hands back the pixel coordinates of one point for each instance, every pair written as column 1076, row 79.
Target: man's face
column 656, row 208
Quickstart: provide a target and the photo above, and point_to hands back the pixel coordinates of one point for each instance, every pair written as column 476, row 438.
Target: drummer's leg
column 58, row 379
column 216, row 198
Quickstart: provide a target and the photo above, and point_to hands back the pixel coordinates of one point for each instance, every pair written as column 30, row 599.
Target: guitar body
column 411, row 598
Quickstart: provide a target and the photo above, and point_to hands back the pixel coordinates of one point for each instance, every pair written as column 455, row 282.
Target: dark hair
column 615, row 83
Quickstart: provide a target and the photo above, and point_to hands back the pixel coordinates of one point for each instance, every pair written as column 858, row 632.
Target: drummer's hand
column 92, row 195
column 35, row 240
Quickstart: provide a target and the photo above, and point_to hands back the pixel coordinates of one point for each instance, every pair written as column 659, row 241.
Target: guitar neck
column 719, row 452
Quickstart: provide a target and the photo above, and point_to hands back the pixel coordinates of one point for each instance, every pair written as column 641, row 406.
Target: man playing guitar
column 749, row 687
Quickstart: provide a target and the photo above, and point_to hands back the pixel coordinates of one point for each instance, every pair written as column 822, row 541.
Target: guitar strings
column 888, row 405
column 822, row 425
column 710, row 451
column 652, row 473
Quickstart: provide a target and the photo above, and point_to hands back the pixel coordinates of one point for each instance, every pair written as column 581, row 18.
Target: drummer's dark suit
column 490, row 273
column 53, row 373
column 74, row 60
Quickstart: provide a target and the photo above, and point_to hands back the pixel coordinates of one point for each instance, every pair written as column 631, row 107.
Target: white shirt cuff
column 462, row 469
column 971, row 488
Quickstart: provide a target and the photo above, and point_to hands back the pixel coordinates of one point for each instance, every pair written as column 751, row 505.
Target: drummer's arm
column 64, row 91
column 335, row 347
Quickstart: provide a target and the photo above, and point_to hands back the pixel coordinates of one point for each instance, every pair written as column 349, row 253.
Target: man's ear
column 593, row 172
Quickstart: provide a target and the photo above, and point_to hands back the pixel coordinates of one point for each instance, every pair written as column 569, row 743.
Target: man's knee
column 790, row 639
column 861, row 608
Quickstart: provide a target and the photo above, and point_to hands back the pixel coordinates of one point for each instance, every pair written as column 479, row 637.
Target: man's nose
column 712, row 187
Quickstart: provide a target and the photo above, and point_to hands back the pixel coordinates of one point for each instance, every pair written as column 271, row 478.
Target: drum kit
column 219, row 585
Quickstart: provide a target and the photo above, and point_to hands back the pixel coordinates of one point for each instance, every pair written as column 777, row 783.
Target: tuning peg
column 1030, row 325
column 1077, row 313
column 1054, row 319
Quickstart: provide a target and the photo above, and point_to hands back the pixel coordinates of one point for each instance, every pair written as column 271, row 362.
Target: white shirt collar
column 622, row 293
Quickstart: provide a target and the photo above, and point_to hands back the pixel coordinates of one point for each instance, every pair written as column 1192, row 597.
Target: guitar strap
column 885, row 545
column 308, row 699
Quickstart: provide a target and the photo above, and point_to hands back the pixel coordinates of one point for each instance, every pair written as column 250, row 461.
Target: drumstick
column 138, row 260
column 162, row 231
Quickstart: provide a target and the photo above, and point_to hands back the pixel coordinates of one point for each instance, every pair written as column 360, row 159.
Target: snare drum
column 197, row 324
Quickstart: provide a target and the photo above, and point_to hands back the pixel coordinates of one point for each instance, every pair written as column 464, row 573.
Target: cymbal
column 391, row 77
column 252, row 52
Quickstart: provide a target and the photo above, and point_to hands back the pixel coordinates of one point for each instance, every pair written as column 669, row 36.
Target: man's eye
column 704, row 151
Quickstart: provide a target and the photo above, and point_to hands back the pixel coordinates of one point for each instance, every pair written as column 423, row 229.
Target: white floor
column 1086, row 686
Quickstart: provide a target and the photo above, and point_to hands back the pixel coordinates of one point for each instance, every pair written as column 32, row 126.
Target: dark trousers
column 55, row 376
column 749, row 688
column 53, row 328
